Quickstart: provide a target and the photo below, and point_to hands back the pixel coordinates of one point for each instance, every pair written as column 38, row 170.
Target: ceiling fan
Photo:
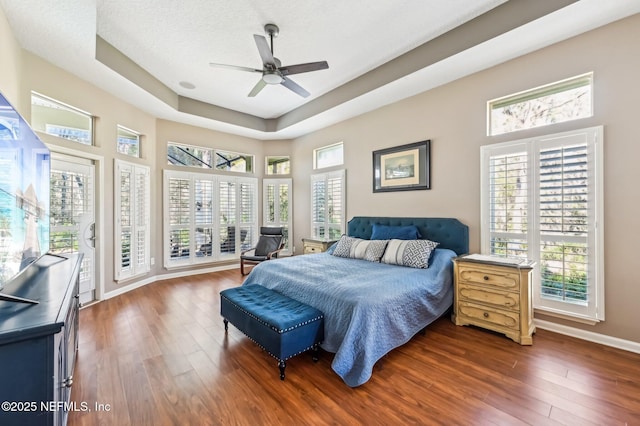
column 272, row 71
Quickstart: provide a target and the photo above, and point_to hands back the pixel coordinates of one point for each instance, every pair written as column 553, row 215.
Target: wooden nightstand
column 312, row 245
column 494, row 293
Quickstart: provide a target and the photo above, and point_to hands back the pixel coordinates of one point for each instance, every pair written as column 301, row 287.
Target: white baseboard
column 590, row 336
column 163, row 277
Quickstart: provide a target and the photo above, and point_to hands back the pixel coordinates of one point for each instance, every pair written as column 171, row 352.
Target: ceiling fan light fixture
column 272, row 78
column 272, row 70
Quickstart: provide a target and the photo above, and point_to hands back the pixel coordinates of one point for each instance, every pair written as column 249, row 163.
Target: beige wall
column 453, row 117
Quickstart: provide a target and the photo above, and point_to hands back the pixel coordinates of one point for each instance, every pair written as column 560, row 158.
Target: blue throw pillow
column 386, row 232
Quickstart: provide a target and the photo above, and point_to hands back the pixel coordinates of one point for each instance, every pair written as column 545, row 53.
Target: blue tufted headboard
column 450, row 233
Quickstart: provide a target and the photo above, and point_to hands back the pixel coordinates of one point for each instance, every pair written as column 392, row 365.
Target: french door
column 73, row 216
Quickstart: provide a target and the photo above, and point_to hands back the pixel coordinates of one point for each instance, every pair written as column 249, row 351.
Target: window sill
column 567, row 316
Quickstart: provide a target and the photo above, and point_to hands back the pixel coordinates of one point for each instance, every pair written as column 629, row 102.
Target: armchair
column 270, row 243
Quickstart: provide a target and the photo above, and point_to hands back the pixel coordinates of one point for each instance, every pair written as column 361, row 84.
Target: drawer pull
column 486, row 278
column 68, row 382
column 486, row 314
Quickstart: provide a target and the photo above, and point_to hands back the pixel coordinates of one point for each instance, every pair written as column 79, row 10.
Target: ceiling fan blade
column 234, row 67
column 257, row 88
column 293, row 86
column 264, row 50
column 300, row 68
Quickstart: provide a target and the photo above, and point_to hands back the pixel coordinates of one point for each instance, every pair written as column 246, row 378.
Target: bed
column 370, row 308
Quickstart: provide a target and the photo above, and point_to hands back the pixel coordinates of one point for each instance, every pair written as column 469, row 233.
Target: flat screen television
column 24, row 197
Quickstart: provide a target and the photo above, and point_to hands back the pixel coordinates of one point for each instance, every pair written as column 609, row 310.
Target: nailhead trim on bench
column 272, row 327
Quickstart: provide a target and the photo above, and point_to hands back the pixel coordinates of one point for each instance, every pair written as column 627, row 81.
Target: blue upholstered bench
column 280, row 325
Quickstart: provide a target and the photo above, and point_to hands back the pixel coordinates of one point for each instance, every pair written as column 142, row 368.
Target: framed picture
column 402, row 168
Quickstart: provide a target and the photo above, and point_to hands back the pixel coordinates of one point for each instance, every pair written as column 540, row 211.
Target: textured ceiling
column 173, row 41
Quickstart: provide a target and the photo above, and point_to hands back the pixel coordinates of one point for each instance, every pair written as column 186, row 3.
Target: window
column 128, row 142
column 61, row 120
column 208, row 217
column 565, row 100
column 278, row 165
column 133, row 220
column 542, row 200
column 328, row 156
column 276, row 196
column 190, row 156
column 234, row 162
column 328, row 205
column 203, row 158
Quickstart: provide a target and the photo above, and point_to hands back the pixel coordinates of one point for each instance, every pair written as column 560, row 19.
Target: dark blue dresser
column 38, row 343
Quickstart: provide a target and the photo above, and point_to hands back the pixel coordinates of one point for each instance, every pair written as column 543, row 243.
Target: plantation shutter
column 328, row 205
column 318, row 206
column 208, row 217
column 567, row 222
column 125, row 174
column 132, row 230
column 277, row 207
column 227, row 214
column 248, row 213
column 178, row 215
column 143, row 219
column 542, row 200
column 203, row 207
column 508, row 198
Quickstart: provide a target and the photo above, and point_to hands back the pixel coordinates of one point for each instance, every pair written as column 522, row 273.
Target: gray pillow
column 412, row 253
column 357, row 248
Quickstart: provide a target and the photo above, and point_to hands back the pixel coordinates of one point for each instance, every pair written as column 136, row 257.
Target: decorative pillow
column 356, row 248
column 414, row 253
column 386, row 232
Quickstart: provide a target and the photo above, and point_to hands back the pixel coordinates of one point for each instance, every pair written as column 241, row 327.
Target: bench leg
column 315, row 355
column 282, row 365
column 226, row 325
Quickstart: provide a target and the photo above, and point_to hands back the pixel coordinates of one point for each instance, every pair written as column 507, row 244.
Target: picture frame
column 402, row 168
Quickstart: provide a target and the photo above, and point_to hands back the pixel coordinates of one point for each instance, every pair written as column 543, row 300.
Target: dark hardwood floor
column 159, row 355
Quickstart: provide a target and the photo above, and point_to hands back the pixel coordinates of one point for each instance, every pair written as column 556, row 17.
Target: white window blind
column 132, row 227
column 544, row 202
column 248, row 213
column 276, row 201
column 508, row 198
column 328, row 205
column 207, row 217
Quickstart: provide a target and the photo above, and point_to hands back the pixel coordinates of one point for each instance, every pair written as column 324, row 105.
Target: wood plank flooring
column 159, row 355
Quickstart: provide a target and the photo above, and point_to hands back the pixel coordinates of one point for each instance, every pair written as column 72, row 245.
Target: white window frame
column 139, row 213
column 272, row 171
column 65, row 129
column 132, row 135
column 183, row 146
column 593, row 311
column 243, row 220
column 325, row 224
column 276, row 220
column 249, row 161
column 552, row 91
column 318, row 163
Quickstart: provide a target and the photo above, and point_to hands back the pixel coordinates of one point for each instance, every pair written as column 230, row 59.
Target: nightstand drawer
column 494, row 277
column 312, row 249
column 489, row 315
column 496, row 298
column 310, row 245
